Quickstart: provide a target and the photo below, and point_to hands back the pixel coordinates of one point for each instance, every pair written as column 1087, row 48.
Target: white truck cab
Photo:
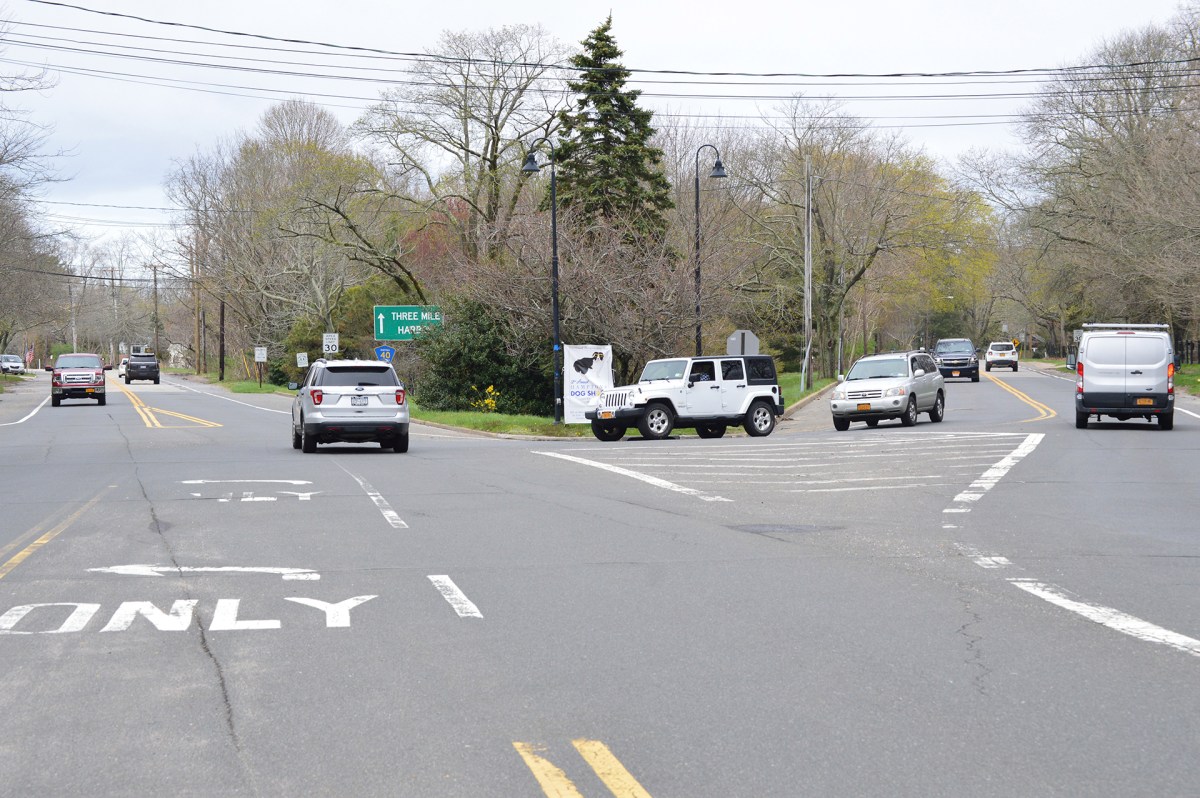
column 1125, row 371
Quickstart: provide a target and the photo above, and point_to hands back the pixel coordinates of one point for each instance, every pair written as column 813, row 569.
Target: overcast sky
column 127, row 121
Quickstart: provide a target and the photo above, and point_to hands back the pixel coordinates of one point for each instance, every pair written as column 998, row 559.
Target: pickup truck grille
column 78, row 379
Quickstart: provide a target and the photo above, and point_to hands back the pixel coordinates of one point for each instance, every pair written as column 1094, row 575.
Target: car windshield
column 663, row 370
column 11, row 359
column 1002, row 347
column 79, row 362
column 355, row 376
column 879, row 367
column 954, row 347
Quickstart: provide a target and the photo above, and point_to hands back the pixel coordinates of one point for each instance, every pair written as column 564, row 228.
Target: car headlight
column 895, row 391
column 839, row 393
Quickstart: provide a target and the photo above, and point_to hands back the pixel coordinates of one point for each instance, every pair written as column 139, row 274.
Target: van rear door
column 1104, row 370
column 1146, row 361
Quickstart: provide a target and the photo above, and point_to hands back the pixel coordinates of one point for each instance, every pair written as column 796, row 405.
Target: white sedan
column 121, row 368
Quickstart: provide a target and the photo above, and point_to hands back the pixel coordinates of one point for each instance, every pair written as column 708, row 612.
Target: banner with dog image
column 587, row 370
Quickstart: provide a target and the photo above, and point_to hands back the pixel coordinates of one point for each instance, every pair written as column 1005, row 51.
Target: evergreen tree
column 607, row 167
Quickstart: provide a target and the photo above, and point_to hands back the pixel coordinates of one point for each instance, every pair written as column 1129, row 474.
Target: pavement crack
column 974, row 644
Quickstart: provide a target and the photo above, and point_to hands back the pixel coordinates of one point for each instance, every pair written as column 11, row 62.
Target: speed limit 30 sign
column 329, row 343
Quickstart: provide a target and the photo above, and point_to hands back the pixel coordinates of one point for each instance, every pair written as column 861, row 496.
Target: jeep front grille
column 614, row 398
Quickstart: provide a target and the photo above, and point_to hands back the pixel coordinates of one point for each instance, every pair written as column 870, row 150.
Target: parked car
column 12, row 364
column 142, row 367
column 706, row 393
column 121, row 367
column 350, row 401
column 957, row 357
column 1002, row 354
column 885, row 386
column 1125, row 371
column 78, row 375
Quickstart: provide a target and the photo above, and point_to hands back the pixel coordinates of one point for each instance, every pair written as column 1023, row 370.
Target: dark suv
column 957, row 357
column 142, row 367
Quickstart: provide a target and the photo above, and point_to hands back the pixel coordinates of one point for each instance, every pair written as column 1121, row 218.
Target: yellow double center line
column 150, row 418
column 24, row 553
column 1044, row 411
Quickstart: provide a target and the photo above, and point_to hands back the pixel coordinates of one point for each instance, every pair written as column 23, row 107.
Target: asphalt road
column 998, row 604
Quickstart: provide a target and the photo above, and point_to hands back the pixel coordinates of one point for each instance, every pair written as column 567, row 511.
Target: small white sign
column 329, row 343
column 302, row 360
column 260, row 354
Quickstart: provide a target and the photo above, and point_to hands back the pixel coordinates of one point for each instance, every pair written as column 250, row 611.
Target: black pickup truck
column 142, row 367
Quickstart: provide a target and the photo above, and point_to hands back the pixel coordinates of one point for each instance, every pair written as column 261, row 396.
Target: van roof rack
column 1095, row 326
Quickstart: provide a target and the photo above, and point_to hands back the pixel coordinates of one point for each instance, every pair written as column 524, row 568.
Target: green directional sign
column 405, row 322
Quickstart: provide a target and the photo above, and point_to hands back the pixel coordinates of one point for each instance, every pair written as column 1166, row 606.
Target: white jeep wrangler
column 707, row 393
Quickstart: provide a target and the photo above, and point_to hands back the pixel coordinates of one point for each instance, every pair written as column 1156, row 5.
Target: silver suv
column 894, row 385
column 350, row 400
column 707, row 393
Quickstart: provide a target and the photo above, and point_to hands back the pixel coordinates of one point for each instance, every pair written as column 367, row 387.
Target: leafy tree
column 607, row 166
column 469, row 353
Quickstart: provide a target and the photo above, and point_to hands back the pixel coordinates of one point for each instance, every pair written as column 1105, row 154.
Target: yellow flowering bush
column 485, row 400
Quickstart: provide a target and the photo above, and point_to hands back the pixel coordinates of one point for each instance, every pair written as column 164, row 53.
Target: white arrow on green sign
column 404, row 322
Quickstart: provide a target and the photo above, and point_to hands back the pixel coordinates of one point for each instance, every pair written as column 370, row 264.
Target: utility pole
column 154, row 270
column 806, row 380
column 71, row 299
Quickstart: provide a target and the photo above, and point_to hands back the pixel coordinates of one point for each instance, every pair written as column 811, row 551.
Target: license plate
column 954, row 374
column 91, row 390
column 358, row 401
column 606, row 414
column 864, row 406
column 1145, row 400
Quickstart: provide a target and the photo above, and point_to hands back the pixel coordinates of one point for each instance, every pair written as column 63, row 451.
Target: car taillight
column 317, row 395
column 1079, row 379
column 400, row 396
column 1170, row 378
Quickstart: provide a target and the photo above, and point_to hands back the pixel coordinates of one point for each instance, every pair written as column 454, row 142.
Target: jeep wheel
column 988, row 367
column 308, row 444
column 939, row 408
column 657, row 422
column 843, row 424
column 909, row 418
column 710, row 430
column 101, row 399
column 1166, row 421
column 1014, row 366
column 1081, row 420
column 607, row 432
column 55, row 401
column 399, row 443
column 128, row 379
column 760, row 419
column 156, row 380
column 975, row 376
column 296, row 442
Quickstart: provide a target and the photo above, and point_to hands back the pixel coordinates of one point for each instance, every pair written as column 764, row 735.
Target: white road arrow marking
column 159, row 570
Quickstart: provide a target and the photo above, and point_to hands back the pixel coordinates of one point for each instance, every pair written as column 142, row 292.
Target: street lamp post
column 718, row 171
column 531, row 165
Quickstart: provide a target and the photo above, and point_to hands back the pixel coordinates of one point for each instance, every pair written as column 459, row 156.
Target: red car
column 78, row 375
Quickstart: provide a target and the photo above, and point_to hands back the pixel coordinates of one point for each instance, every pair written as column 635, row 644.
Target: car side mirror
column 293, row 386
column 919, row 373
column 49, row 368
column 1071, row 360
column 1178, row 363
column 841, row 378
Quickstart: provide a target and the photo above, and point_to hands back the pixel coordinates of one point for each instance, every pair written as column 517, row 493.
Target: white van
column 1125, row 371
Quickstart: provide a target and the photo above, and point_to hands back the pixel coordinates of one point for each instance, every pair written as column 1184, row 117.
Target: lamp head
column 531, row 164
column 718, row 169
